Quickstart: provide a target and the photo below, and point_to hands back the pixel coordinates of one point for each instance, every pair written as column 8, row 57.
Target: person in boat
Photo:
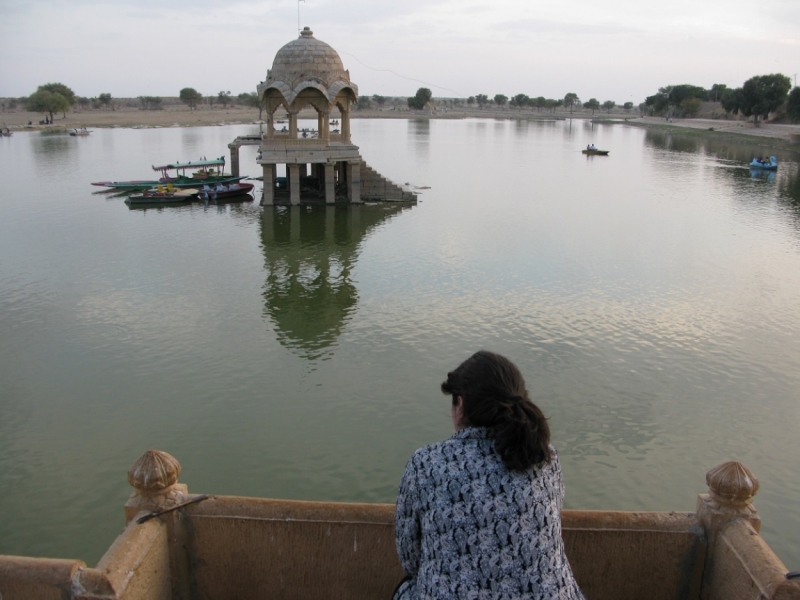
column 479, row 515
column 592, row 147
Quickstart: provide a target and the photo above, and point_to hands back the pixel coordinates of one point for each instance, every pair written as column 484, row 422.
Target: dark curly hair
column 495, row 397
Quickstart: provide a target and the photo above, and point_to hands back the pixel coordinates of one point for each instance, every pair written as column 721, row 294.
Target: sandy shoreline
column 180, row 116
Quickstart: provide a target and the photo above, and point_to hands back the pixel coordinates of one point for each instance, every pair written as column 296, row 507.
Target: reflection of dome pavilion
column 307, row 72
column 310, row 254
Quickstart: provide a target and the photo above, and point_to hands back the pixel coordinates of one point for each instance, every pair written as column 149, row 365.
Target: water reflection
column 761, row 175
column 675, row 143
column 419, row 131
column 309, row 256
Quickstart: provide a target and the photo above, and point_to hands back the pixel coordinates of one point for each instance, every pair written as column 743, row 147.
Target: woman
column 479, row 515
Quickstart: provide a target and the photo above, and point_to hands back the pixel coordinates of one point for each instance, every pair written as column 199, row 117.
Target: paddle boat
column 221, row 191
column 767, row 165
column 79, row 132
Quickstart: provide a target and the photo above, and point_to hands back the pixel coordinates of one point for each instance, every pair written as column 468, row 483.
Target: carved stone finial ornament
column 732, row 483
column 154, row 471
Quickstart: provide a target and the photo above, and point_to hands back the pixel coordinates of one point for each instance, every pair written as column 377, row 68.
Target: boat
column 766, row 165
column 205, row 171
column 79, row 132
column 6, row 133
column 163, row 195
column 220, row 191
column 595, row 152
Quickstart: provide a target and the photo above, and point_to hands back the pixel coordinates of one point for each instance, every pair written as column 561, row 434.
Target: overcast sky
column 617, row 50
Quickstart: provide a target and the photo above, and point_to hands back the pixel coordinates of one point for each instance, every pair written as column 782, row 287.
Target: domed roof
column 307, row 58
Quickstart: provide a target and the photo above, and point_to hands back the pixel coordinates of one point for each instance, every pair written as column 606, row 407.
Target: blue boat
column 766, row 165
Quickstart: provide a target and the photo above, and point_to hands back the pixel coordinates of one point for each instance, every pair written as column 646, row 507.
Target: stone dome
column 307, row 58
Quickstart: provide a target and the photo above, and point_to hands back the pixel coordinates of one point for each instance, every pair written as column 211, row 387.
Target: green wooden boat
column 204, row 172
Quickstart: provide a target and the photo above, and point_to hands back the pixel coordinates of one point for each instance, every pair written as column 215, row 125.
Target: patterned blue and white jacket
column 468, row 528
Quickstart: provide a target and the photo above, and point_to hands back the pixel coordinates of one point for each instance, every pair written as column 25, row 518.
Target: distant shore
column 180, row 116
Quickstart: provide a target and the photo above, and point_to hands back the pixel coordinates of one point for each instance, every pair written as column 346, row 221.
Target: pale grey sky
column 617, row 50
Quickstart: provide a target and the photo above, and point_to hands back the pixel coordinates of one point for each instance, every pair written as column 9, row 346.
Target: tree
column 592, row 104
column 763, row 94
column 570, row 100
column 658, row 102
column 608, row 105
column 190, row 97
column 224, row 98
column 678, row 93
column 47, row 102
column 60, row 88
column 379, row 100
column 793, row 105
column 251, row 99
column 627, row 106
column 481, row 99
column 539, row 102
column 471, row 100
column 84, row 102
column 520, row 100
column 691, row 106
column 420, row 99
column 731, row 100
column 716, row 91
column 105, row 100
column 150, row 102
column 500, row 99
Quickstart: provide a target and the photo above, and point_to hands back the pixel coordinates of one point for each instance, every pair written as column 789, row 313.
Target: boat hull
column 243, row 189
column 180, row 182
column 596, row 152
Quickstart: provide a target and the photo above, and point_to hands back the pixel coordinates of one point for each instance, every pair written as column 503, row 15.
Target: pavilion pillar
column 268, row 198
column 325, row 132
column 293, row 125
column 330, row 184
column 234, row 159
column 345, row 125
column 354, row 181
column 303, row 169
column 294, row 182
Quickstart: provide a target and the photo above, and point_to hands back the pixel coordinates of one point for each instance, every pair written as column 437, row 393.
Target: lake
column 650, row 298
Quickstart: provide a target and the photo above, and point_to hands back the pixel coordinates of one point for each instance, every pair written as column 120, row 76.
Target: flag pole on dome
column 298, row 14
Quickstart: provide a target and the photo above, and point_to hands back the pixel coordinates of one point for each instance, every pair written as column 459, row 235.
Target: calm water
column 650, row 298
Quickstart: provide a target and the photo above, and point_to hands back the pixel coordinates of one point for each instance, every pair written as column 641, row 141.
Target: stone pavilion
column 322, row 164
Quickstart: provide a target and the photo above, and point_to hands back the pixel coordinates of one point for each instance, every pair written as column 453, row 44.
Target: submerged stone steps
column 375, row 186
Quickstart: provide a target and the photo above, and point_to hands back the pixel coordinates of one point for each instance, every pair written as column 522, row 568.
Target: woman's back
column 467, row 527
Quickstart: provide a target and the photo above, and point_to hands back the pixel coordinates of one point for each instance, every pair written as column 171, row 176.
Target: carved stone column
column 354, row 181
column 268, row 197
column 294, row 182
column 154, row 478
column 330, row 184
column 731, row 488
column 234, row 148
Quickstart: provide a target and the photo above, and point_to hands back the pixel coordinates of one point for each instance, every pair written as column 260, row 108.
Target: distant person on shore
column 479, row 515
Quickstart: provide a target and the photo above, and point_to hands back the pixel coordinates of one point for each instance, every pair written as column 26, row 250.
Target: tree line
column 52, row 98
column 758, row 97
column 569, row 101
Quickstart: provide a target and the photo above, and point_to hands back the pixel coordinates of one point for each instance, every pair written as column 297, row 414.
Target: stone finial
column 153, row 472
column 154, row 478
column 732, row 484
column 307, row 32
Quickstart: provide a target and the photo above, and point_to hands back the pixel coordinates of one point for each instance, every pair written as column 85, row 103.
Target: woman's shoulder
column 452, row 444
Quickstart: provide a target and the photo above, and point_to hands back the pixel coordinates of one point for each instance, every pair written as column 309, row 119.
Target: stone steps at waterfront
column 375, row 186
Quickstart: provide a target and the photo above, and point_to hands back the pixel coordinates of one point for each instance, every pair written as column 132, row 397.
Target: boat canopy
column 192, row 164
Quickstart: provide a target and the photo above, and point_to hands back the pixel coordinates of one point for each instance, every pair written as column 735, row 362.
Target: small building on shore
column 322, row 164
